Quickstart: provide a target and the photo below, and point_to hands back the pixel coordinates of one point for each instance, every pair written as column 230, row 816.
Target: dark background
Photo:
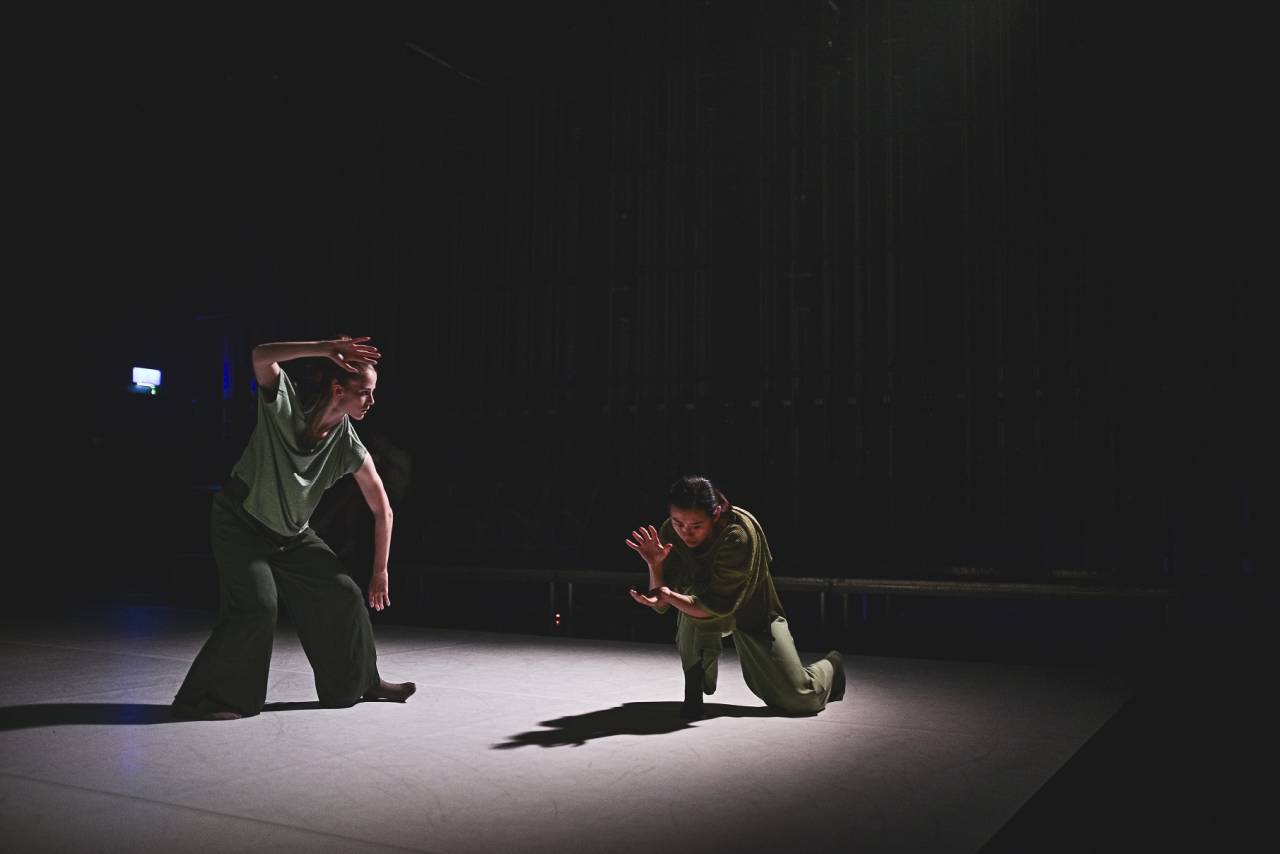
column 936, row 289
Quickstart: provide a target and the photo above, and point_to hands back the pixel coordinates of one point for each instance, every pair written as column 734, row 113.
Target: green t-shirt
column 729, row 576
column 286, row 477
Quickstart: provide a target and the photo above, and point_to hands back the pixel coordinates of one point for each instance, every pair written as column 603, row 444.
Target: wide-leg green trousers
column 255, row 567
column 770, row 664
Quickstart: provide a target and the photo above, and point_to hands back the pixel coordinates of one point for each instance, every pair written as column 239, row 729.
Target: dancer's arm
column 376, row 496
column 267, row 357
column 645, row 542
column 666, row 596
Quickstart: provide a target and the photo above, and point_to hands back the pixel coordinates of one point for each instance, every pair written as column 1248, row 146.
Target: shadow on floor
column 627, row 719
column 121, row 714
column 71, row 714
column 293, row 707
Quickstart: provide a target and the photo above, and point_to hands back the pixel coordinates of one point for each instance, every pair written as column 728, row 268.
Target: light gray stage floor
column 514, row 743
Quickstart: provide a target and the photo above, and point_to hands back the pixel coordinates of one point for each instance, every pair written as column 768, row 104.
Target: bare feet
column 398, row 691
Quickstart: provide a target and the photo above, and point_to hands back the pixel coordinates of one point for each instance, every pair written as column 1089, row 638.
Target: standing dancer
column 265, row 549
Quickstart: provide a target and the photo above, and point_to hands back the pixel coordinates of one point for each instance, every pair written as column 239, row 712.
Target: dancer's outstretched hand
column 644, row 541
column 347, row 350
column 379, row 591
column 645, row 598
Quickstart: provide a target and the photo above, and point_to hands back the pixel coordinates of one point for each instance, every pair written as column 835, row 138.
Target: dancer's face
column 694, row 527
column 355, row 396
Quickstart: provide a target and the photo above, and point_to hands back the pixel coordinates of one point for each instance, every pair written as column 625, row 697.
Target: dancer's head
column 696, row 507
column 350, row 393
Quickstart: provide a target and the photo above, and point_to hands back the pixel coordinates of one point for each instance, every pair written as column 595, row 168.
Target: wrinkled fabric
column 286, row 476
column 729, row 576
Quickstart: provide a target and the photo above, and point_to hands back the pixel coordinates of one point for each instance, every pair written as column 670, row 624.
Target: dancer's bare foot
column 398, row 691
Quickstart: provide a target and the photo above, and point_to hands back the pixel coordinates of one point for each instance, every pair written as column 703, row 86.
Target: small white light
column 149, row 377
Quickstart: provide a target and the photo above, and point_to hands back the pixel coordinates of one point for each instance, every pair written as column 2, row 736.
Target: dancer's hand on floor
column 379, row 591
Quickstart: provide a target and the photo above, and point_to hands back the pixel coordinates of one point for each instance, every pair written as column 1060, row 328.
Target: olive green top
column 728, row 576
column 285, row 475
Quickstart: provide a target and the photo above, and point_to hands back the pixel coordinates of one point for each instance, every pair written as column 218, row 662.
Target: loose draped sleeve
column 735, row 570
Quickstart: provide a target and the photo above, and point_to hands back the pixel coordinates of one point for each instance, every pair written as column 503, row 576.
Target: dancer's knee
column 347, row 595
column 255, row 610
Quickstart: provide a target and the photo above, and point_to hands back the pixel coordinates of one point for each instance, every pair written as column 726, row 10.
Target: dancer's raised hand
column 346, row 350
column 644, row 542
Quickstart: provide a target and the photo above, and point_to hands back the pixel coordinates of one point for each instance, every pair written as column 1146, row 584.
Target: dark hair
column 692, row 492
column 318, row 377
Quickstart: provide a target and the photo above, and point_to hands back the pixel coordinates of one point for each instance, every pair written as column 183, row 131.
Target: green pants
column 255, row 566
column 770, row 665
